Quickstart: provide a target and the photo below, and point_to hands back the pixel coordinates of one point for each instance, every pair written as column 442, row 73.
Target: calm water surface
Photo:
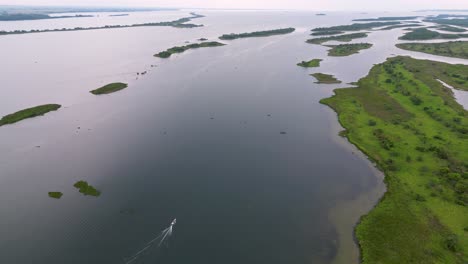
column 197, row 139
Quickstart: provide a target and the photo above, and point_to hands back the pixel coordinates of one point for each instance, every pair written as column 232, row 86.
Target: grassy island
column 86, row 189
column 410, row 125
column 426, row 34
column 387, row 18
column 179, row 23
column 56, row 195
column 462, row 21
column 33, row 16
column 401, row 26
column 357, row 26
column 325, row 78
column 28, row 113
column 179, row 49
column 265, row 33
column 452, row 29
column 310, row 64
column 341, row 38
column 347, row 49
column 324, row 33
column 109, row 88
column 455, row 49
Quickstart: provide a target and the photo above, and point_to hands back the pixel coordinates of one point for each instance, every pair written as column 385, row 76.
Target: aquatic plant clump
column 86, row 189
column 28, row 113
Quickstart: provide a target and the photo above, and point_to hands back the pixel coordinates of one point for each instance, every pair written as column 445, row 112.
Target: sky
column 317, row 5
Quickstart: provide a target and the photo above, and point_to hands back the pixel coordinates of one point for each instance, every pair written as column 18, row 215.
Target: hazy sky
column 354, row 5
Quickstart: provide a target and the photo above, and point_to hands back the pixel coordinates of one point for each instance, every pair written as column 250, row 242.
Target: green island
column 28, row 113
column 341, row 38
column 33, row 16
column 56, row 195
column 324, row 33
column 265, row 33
column 347, row 49
column 387, row 18
column 455, row 49
column 357, row 26
column 426, row 34
column 179, row 23
column 109, row 88
column 86, row 189
column 451, row 29
column 179, row 49
column 310, row 64
column 410, row 125
column 441, row 20
column 401, row 26
column 323, row 78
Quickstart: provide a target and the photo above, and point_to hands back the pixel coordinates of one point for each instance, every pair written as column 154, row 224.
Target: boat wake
column 162, row 238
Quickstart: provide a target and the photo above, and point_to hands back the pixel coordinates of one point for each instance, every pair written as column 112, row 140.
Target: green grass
column 455, row 49
column 341, row 38
column 347, row 49
column 310, row 64
column 56, row 195
column 86, row 189
column 426, row 34
column 325, row 78
column 179, row 49
column 109, row 88
column 28, row 113
column 415, row 131
column 265, row 33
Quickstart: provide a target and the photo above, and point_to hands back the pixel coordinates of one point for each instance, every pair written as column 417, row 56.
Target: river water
column 197, row 138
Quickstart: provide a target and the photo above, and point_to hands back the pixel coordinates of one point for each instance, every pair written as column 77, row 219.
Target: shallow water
column 197, row 139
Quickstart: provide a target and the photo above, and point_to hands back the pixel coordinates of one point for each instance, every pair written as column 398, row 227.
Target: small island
column 426, row 34
column 320, row 14
column 387, row 18
column 455, row 49
column 55, row 195
column 265, row 33
column 340, row 38
column 401, row 26
column 28, row 113
column 451, row 29
column 179, row 49
column 86, row 189
column 357, row 26
column 347, row 49
column 323, row 78
column 324, row 33
column 109, row 88
column 310, row 64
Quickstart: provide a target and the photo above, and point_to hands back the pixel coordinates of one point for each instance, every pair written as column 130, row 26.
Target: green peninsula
column 28, row 113
column 324, row 33
column 341, row 38
column 455, row 49
column 265, row 33
column 410, row 125
column 179, row 23
column 401, row 26
column 310, row 64
column 325, row 78
column 347, row 49
column 179, row 49
column 426, row 34
column 86, row 189
column 109, row 88
column 452, row 29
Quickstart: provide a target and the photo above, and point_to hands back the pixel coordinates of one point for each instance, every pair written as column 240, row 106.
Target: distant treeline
column 19, row 16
